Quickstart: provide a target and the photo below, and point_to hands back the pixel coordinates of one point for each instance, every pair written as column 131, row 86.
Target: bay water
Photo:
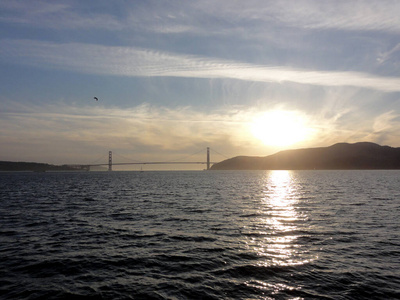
column 200, row 235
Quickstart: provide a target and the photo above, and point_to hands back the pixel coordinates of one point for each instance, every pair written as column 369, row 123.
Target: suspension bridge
column 110, row 162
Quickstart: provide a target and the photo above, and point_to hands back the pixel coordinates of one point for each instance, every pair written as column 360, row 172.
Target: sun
column 279, row 128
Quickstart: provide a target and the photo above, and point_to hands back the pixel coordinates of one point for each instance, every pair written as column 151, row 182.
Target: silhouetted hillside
column 339, row 156
column 34, row 167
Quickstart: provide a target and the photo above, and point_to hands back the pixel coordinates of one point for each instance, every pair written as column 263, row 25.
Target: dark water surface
column 200, row 235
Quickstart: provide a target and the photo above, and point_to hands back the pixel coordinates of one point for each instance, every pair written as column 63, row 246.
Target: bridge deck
column 153, row 163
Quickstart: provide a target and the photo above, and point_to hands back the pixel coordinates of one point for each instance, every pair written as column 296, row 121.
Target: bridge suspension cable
column 126, row 158
column 183, row 158
column 219, row 153
column 101, row 158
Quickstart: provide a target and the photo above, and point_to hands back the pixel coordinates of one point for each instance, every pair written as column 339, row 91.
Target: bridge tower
column 208, row 158
column 109, row 160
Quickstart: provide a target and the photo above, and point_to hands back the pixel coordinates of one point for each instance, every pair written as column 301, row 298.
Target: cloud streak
column 343, row 15
column 56, row 15
column 134, row 62
column 178, row 17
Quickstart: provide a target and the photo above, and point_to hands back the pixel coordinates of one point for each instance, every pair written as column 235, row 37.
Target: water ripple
column 200, row 235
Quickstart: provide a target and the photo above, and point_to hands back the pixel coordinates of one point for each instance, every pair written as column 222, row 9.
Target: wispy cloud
column 386, row 56
column 130, row 61
column 56, row 15
column 341, row 15
column 181, row 16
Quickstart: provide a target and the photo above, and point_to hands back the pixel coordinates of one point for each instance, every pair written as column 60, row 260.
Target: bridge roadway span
column 87, row 167
column 152, row 163
column 110, row 162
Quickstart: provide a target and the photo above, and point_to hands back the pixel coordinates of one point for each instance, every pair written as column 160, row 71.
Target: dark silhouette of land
column 342, row 156
column 34, row 167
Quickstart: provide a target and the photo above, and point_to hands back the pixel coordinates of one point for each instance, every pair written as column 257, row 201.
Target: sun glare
column 279, row 128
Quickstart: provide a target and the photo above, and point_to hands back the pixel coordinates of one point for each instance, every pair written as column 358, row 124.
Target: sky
column 175, row 77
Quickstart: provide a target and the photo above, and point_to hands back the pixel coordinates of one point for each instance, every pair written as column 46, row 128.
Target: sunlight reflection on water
column 279, row 222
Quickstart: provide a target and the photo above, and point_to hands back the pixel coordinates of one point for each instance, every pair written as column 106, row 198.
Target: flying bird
column 95, row 98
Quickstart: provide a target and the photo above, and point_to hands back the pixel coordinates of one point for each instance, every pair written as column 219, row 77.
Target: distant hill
column 342, row 156
column 34, row 167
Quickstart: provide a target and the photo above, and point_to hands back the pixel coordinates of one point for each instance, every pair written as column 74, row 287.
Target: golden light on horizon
column 279, row 128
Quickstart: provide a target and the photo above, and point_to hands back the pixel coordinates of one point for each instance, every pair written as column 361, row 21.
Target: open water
column 200, row 235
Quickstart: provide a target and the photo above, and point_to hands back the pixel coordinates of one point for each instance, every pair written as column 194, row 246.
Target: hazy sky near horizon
column 175, row 77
